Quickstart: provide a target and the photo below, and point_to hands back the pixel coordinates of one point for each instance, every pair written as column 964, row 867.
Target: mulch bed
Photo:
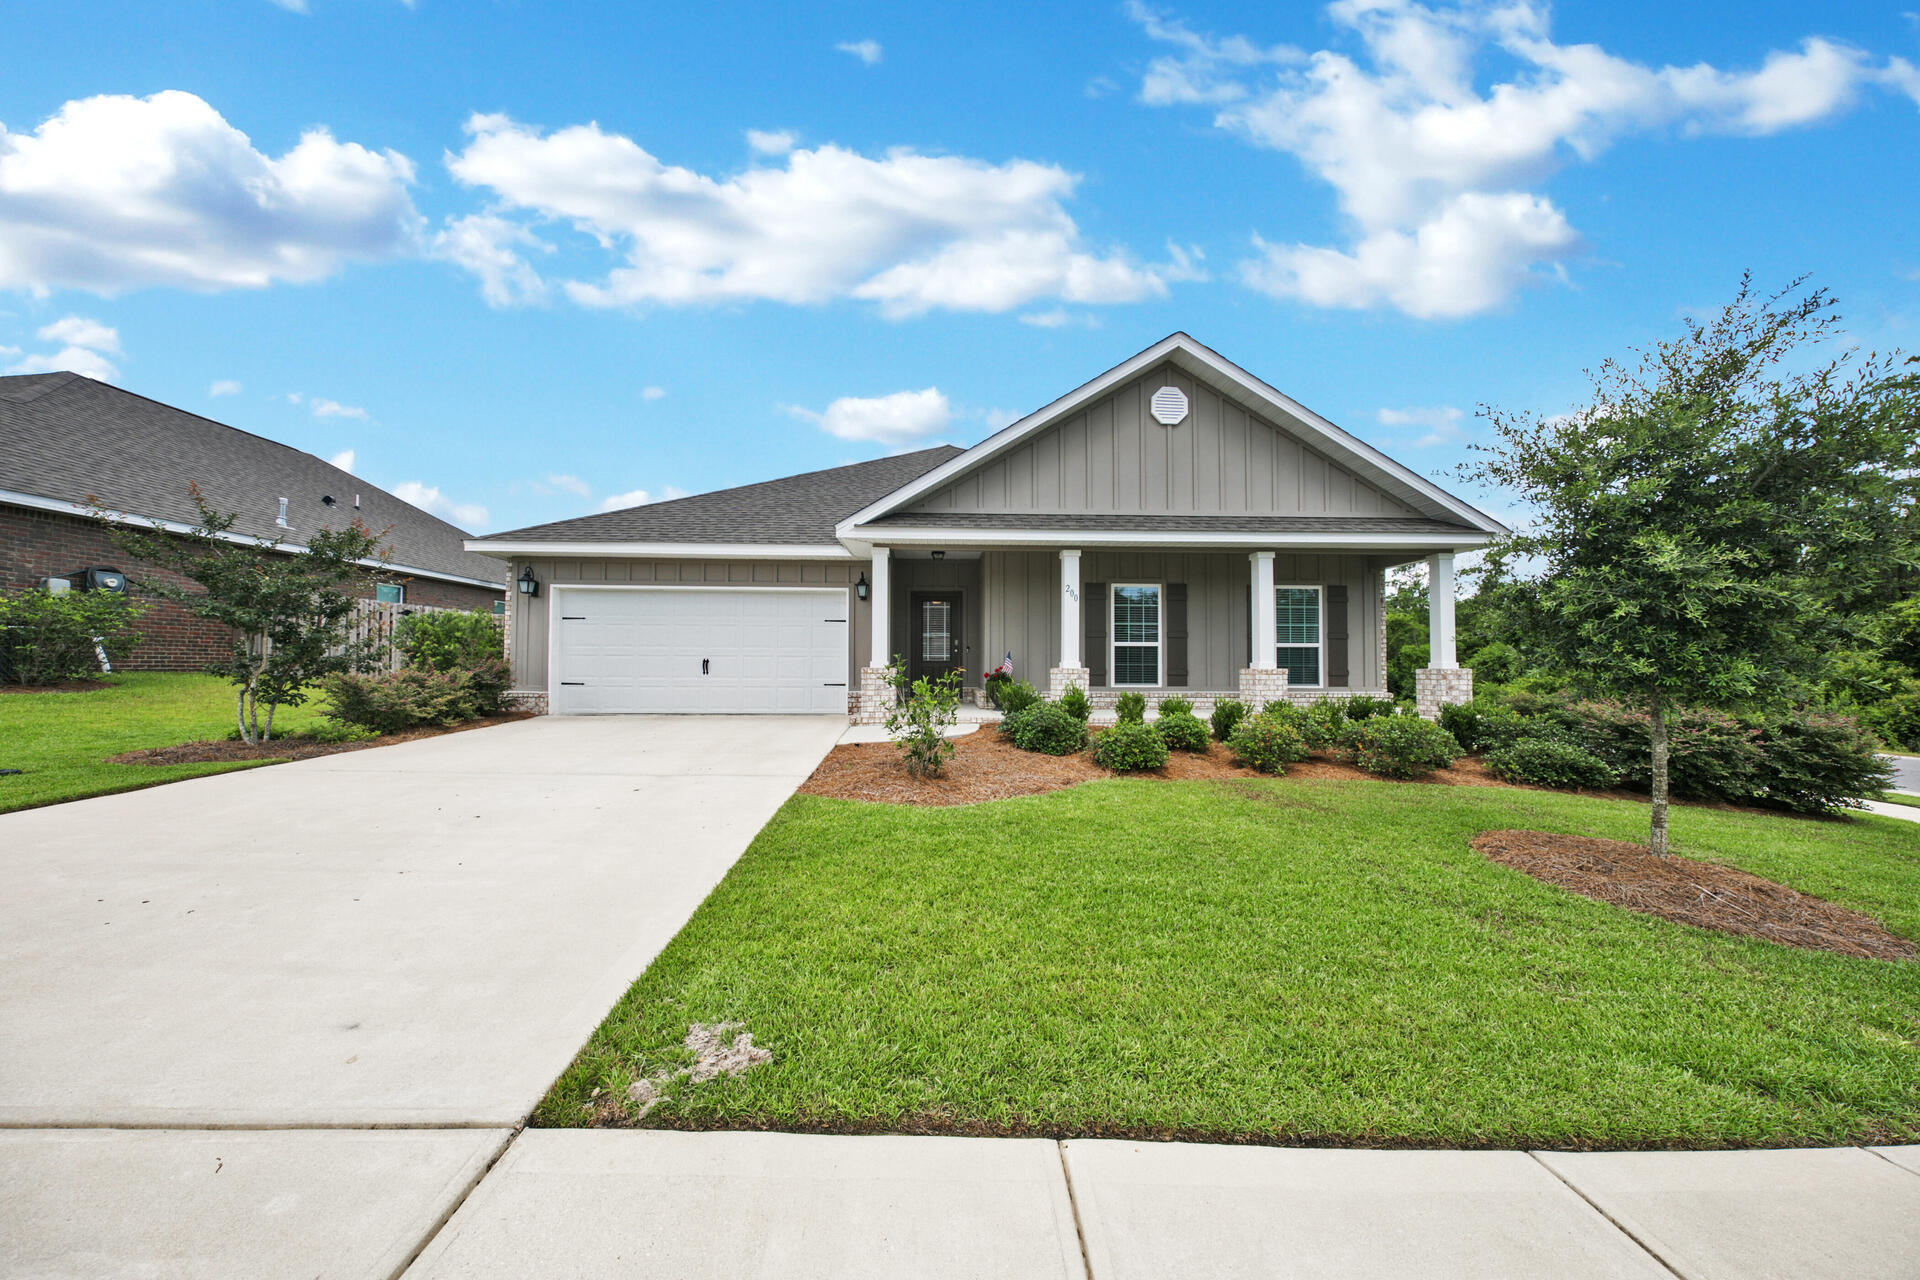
column 1707, row 894
column 291, row 748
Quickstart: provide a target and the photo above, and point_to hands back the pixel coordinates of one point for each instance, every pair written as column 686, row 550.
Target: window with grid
column 1136, row 635
column 936, row 631
column 1296, row 613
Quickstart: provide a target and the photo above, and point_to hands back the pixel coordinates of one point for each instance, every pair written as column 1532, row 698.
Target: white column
column 1265, row 633
column 1070, row 628
column 1440, row 611
column 882, row 652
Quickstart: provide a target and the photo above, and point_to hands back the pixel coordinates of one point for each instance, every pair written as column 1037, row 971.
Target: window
column 1296, row 616
column 936, row 631
column 499, row 608
column 390, row 593
column 1136, row 634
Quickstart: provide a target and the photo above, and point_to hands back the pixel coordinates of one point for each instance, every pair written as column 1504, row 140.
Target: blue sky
column 522, row 260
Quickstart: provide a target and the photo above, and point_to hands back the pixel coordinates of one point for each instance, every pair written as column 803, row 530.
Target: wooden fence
column 379, row 620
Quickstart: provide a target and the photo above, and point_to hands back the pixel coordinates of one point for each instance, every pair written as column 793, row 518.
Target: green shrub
column 1364, row 706
column 1181, row 731
column 45, row 639
column 333, row 732
column 1550, row 762
column 1496, row 662
column 1129, row 747
column 918, row 720
column 1897, row 718
column 1329, row 712
column 1075, row 703
column 1046, row 727
column 1132, row 708
column 1227, row 714
column 1175, row 706
column 1817, row 763
column 448, row 639
column 394, row 701
column 994, row 686
column 1401, row 746
column 1016, row 695
column 1267, row 743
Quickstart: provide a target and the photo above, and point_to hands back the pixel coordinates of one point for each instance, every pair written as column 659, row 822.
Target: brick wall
column 45, row 544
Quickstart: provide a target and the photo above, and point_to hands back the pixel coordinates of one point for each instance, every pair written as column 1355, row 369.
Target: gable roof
column 1233, row 383
column 793, row 512
column 69, row 443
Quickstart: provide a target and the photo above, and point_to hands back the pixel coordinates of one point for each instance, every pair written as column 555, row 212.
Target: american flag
column 1004, row 669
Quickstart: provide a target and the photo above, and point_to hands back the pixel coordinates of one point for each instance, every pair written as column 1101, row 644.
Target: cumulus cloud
column 224, row 387
column 469, row 516
column 906, row 231
column 639, row 498
column 117, row 192
column 334, row 409
column 489, row 246
column 1438, row 424
column 894, row 419
column 81, row 346
column 1432, row 171
column 772, row 144
column 78, row 331
column 868, row 51
column 344, row 461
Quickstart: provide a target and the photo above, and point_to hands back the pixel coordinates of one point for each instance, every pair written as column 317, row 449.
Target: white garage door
column 693, row 649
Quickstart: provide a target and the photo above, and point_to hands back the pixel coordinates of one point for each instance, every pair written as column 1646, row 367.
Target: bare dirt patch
column 290, row 748
column 1707, row 894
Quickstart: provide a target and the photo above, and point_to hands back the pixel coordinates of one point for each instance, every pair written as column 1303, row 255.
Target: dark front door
column 934, row 634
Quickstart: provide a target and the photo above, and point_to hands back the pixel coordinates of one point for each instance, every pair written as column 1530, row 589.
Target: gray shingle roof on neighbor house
column 797, row 510
column 1101, row 522
column 72, row 439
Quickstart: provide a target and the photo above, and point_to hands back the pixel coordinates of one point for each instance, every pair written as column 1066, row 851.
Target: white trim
column 1214, row 368
column 553, row 617
column 1319, row 590
column 1159, row 641
column 880, row 609
column 1260, row 581
column 661, row 550
column 1071, row 620
column 62, row 507
column 1233, row 539
column 1440, row 622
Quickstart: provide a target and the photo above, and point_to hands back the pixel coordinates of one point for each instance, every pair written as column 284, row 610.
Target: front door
column 935, row 634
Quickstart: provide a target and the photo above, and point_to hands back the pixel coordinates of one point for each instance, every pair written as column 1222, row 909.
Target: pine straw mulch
column 985, row 766
column 1709, row 895
column 293, row 748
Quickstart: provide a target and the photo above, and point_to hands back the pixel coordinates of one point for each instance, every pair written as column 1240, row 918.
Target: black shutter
column 1337, row 669
column 1177, row 634
column 1093, row 641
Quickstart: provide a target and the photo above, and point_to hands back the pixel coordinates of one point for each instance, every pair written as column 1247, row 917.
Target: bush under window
column 1401, row 746
column 1175, row 706
column 1131, row 708
column 1550, row 762
column 1182, row 731
column 1227, row 714
column 1012, row 695
column 1129, row 747
column 1046, row 727
column 1267, row 743
column 1076, row 704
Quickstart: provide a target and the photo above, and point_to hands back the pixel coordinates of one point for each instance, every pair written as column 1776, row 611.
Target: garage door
column 699, row 650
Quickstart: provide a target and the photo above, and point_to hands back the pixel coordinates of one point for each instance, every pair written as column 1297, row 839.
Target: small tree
column 917, row 724
column 1693, row 518
column 289, row 608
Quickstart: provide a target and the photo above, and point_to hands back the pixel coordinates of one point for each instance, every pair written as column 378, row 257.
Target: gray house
column 1174, row 525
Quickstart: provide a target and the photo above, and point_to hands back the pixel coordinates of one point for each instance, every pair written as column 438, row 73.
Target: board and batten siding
column 528, row 618
column 1113, row 458
column 1023, row 606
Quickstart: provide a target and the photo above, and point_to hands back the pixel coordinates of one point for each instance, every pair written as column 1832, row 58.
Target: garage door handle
column 703, row 666
column 573, row 682
column 833, row 684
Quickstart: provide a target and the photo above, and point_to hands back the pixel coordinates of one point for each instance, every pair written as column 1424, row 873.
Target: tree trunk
column 268, row 735
column 240, row 713
column 1657, row 731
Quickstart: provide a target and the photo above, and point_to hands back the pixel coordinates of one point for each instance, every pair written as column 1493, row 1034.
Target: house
column 71, row 446
column 1174, row 525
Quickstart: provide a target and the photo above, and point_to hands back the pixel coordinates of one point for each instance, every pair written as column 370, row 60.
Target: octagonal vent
column 1169, row 405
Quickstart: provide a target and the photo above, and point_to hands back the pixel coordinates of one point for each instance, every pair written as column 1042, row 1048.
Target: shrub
column 45, row 638
column 995, row 685
column 1129, row 747
column 449, row 640
column 916, row 723
column 394, row 701
column 1132, row 708
column 1267, row 743
column 1496, row 662
column 1175, row 706
column 1462, row 720
column 1897, row 719
column 1712, row 756
column 333, row 732
column 1014, row 695
column 1181, row 731
column 1046, row 727
column 1401, row 746
column 1819, row 762
column 1364, row 706
column 1227, row 714
column 1074, row 702
column 1550, row 762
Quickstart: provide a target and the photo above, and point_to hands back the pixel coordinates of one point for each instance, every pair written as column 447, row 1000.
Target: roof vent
column 281, row 519
column 1169, row 405
column 328, row 500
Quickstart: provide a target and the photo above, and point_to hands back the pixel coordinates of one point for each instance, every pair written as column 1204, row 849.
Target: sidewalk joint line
column 1895, row 1163
column 434, row 1231
column 1617, row 1225
column 1073, row 1203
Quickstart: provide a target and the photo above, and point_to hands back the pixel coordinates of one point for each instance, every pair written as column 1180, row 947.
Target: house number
column 1073, row 593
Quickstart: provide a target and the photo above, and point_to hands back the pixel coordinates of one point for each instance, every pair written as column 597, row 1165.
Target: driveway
column 1906, row 772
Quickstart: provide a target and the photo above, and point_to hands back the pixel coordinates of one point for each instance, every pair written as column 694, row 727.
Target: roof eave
column 521, row 548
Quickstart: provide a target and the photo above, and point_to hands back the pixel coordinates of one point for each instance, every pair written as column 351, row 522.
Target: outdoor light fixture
column 529, row 585
column 861, row 588
column 939, row 555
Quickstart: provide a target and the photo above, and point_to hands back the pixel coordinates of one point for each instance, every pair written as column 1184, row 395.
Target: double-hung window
column 1297, row 626
column 1136, row 634
column 390, row 592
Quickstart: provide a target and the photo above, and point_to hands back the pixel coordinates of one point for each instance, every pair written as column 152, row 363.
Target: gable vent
column 1169, row 405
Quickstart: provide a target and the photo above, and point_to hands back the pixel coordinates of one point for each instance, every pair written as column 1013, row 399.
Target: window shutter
column 1337, row 669
column 1093, row 643
column 1177, row 634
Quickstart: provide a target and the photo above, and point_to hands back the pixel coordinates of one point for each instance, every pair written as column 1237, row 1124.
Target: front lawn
column 62, row 740
column 1276, row 961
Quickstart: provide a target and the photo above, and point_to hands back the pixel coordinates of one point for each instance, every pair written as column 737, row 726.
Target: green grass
column 1894, row 797
column 62, row 740
column 1276, row 961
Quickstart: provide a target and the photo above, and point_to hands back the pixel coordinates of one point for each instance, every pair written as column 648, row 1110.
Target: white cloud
column 893, row 419
column 868, row 51
column 1434, row 172
column 224, row 387
column 78, row 331
column 334, row 409
column 907, row 231
column 772, row 144
column 291, row 6
column 469, row 516
column 486, row 244
column 640, row 498
column 570, row 484
column 1054, row 319
column 653, row 393
column 344, row 460
column 83, row 347
column 118, row 192
column 293, row 397
column 1439, row 424
column 81, row 360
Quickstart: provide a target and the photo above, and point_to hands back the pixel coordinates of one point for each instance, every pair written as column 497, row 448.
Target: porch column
column 882, row 651
column 1443, row 680
column 875, row 696
column 1070, row 671
column 1262, row 681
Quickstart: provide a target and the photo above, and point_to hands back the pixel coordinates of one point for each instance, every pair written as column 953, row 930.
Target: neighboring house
column 70, row 446
column 1174, row 525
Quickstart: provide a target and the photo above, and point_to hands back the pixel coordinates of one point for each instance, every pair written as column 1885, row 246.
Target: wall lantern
column 939, row 555
column 529, row 585
column 861, row 588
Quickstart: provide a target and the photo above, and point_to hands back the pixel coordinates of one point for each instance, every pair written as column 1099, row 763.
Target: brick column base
column 1261, row 685
column 874, row 699
column 534, row 700
column 1058, row 678
column 1434, row 687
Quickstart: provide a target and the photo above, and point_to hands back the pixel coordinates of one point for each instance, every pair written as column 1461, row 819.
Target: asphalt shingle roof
column 800, row 510
column 72, row 439
column 1098, row 521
